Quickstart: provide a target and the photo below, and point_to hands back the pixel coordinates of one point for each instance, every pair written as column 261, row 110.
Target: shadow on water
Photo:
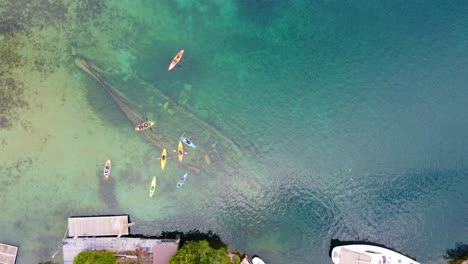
column 460, row 251
column 193, row 235
column 107, row 193
column 336, row 242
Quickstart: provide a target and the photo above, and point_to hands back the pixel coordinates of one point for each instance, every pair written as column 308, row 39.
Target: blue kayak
column 187, row 142
column 182, row 180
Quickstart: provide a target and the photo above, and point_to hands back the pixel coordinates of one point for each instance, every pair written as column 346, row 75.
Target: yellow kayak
column 144, row 125
column 163, row 159
column 153, row 186
column 180, row 151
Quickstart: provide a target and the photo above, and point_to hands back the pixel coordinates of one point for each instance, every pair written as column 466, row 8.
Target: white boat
column 367, row 254
column 257, row 260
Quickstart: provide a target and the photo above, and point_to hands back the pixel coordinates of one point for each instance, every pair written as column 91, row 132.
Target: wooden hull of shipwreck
column 215, row 153
column 135, row 118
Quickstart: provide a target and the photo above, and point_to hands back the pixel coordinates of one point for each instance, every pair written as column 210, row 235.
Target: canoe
column 257, row 260
column 144, row 125
column 163, row 159
column 153, row 186
column 107, row 169
column 187, row 142
column 180, row 151
column 176, row 60
column 182, row 180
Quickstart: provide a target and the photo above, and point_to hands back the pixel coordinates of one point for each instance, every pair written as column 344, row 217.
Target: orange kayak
column 176, row 60
column 180, row 151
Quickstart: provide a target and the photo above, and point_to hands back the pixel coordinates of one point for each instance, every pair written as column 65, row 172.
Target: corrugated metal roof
column 98, row 226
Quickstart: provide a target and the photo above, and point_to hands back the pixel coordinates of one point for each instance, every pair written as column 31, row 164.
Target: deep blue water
column 358, row 114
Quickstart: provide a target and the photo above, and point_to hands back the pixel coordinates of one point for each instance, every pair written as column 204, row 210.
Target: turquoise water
column 353, row 115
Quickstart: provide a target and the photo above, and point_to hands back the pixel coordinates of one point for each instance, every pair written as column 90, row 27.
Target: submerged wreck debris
column 207, row 159
column 154, row 138
column 184, row 95
column 215, row 156
column 209, row 130
column 95, row 72
column 162, row 137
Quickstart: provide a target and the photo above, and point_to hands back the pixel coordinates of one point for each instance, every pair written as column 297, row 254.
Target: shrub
column 458, row 254
column 95, row 257
column 200, row 252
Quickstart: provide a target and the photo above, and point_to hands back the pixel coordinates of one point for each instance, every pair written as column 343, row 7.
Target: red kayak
column 176, row 60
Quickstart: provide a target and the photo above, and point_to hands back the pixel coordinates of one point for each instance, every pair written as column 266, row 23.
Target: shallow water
column 351, row 119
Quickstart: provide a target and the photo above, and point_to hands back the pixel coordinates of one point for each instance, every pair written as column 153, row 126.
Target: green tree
column 95, row 257
column 458, row 254
column 200, row 252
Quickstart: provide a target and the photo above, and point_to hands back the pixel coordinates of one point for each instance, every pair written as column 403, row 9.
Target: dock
column 98, row 226
column 160, row 250
column 8, row 254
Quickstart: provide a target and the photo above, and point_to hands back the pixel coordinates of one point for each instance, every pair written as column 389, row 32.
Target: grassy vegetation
column 95, row 257
column 200, row 252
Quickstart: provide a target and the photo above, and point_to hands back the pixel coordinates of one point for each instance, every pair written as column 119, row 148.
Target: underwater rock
column 166, row 108
column 185, row 94
column 214, row 156
column 207, row 159
column 11, row 101
column 205, row 114
column 196, row 170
